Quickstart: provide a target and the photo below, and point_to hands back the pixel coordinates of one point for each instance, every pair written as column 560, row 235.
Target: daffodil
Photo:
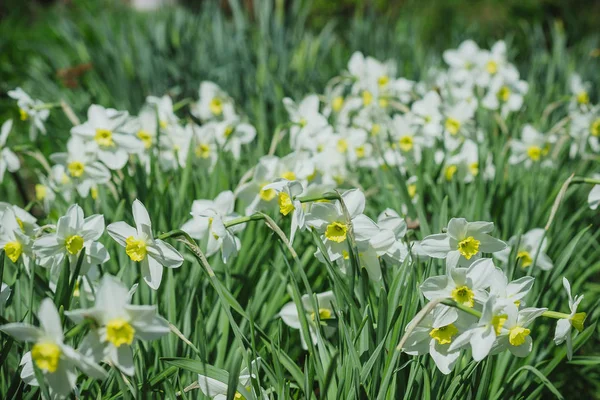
column 513, row 292
column 204, row 149
column 390, row 220
column 514, row 333
column 217, row 390
column 307, row 120
column 17, row 245
column 575, row 319
column 55, row 359
column 163, row 110
column 505, row 92
column 530, row 245
column 491, row 63
column 8, row 160
column 141, row 246
column 580, row 92
column 208, row 225
column 465, row 165
column 463, row 60
column 287, row 194
column 74, row 234
column 253, row 193
column 466, row 286
column 532, row 148
column 428, row 115
column 118, row 324
column 31, row 110
column 462, row 243
column 78, row 168
column 585, row 131
column 213, row 103
column 232, row 133
column 325, row 301
column 104, row 137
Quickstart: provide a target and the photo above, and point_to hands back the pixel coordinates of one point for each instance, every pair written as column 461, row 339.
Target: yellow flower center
column 498, row 322
column 46, row 356
column 406, row 143
column 337, row 103
column 20, row 222
column 76, row 169
column 13, row 250
column 525, row 258
column 74, row 244
column 383, row 80
column 491, row 67
column 23, row 114
column 216, row 106
column 583, row 98
column 444, row 334
column 289, row 175
column 94, row 193
column 104, row 138
column 504, row 93
column 468, row 247
column 145, row 137
column 324, row 313
column 285, row 203
column 163, row 124
column 464, row 295
column 577, row 320
column 342, row 145
column 474, row 168
column 450, row 171
column 412, row 190
column 360, row 151
column 119, row 332
column 336, row 232
column 452, row 125
column 383, row 102
column 40, row 192
column 375, row 129
column 367, row 97
column 534, row 152
column 228, row 131
column 595, row 128
column 517, row 335
column 266, row 194
column 202, row 151
column 302, row 122
column 135, row 248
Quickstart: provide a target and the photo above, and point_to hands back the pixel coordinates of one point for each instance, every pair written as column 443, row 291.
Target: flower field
column 238, row 205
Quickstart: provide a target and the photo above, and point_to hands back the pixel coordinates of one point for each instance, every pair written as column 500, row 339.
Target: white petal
column 50, row 320
column 23, row 332
column 165, row 254
column 120, row 231
column 152, row 272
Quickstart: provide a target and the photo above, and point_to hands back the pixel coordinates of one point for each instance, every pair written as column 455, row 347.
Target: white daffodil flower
column 217, row 390
column 458, row 121
column 213, row 103
column 463, row 60
column 434, row 334
column 580, row 92
column 232, row 133
column 576, row 320
column 532, row 148
column 8, row 160
column 27, row 222
column 103, row 135
column 530, row 245
column 45, row 193
column 325, row 301
column 392, row 221
column 297, row 165
column 55, row 359
column 163, row 109
column 427, row 114
column 465, row 164
column 204, row 145
column 491, row 63
column 119, row 323
column 253, row 192
column 15, row 242
column 141, row 246
column 465, row 286
column 482, row 335
column 406, row 139
column 80, row 169
column 33, row 110
column 514, row 335
column 74, row 234
column 511, row 293
column 4, row 294
column 585, row 131
column 208, row 225
column 505, row 92
column 463, row 242
column 308, row 121
column 287, row 193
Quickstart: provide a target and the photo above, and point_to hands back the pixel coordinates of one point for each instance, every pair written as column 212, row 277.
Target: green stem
column 243, row 220
column 46, row 106
column 182, row 103
column 326, row 196
column 556, row 315
column 466, row 309
column 78, row 328
column 582, row 179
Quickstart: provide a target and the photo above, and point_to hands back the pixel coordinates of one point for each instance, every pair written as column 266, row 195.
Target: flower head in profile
column 17, row 245
column 118, row 324
column 462, row 243
column 530, row 245
column 515, row 334
column 287, row 198
column 217, row 390
column 575, row 319
column 30, row 110
column 141, row 246
column 55, row 359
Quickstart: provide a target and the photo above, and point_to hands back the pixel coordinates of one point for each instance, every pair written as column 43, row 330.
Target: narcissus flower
column 213, row 103
column 515, row 334
column 575, row 319
column 31, row 110
column 8, row 160
column 55, row 359
column 119, row 323
column 463, row 242
column 15, row 242
column 532, row 148
column 287, row 193
column 531, row 244
column 325, row 301
column 217, row 390
column 140, row 246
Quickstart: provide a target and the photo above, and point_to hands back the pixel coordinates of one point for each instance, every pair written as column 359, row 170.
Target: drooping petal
column 120, row 231
column 152, row 272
